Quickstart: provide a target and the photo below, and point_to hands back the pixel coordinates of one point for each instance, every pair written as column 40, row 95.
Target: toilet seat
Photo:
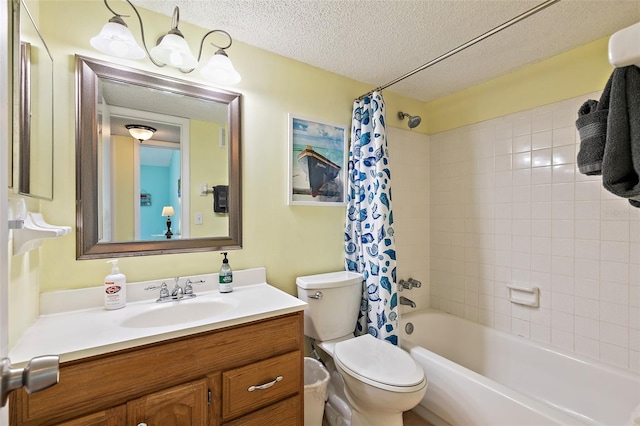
column 379, row 364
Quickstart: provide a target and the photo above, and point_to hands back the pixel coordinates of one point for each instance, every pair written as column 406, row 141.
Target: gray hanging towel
column 592, row 127
column 621, row 160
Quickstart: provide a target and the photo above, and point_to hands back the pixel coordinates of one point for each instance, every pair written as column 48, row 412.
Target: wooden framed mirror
column 197, row 127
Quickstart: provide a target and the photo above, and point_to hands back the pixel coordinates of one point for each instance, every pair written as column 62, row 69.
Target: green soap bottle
column 226, row 276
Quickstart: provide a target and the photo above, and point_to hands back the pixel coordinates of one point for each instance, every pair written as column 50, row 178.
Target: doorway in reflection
column 160, row 186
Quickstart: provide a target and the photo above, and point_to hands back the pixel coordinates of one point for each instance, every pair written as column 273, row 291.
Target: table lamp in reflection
column 168, row 212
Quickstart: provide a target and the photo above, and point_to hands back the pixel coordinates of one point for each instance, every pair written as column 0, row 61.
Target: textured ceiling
column 377, row 41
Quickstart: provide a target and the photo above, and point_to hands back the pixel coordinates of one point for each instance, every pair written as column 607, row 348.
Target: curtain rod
column 460, row 48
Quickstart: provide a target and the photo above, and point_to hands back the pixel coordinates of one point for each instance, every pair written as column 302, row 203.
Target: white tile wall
column 508, row 205
column 409, row 160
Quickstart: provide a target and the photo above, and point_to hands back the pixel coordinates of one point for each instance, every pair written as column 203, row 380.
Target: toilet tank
column 334, row 302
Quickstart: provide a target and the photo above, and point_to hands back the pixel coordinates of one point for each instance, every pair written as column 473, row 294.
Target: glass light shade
column 168, row 211
column 117, row 40
column 220, row 70
column 142, row 133
column 173, row 50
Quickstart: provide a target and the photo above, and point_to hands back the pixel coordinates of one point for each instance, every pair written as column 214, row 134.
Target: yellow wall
column 124, row 171
column 24, row 286
column 573, row 73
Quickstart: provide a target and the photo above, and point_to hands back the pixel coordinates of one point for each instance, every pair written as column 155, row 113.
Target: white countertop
column 92, row 331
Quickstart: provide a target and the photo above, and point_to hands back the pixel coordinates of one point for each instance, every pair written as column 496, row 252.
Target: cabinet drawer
column 283, row 413
column 256, row 385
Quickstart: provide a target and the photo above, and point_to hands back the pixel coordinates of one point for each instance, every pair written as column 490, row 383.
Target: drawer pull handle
column 266, row 385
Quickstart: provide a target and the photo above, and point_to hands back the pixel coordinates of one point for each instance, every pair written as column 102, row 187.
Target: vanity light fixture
column 140, row 132
column 168, row 212
column 172, row 49
column 116, row 39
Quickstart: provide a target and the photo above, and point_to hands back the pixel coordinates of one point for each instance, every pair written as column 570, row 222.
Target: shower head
column 414, row 120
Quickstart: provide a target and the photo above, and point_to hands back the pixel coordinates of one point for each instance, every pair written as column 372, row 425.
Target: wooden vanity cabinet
column 250, row 374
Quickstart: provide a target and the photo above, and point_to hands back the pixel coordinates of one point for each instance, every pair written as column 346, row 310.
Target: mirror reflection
column 35, row 150
column 157, row 142
column 148, row 140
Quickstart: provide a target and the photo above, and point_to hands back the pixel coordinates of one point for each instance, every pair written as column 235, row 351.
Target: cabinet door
column 112, row 417
column 184, row 405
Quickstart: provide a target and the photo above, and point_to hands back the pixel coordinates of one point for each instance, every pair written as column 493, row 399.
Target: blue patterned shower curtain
column 369, row 242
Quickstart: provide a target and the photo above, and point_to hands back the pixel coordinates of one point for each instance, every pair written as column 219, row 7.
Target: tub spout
column 408, row 302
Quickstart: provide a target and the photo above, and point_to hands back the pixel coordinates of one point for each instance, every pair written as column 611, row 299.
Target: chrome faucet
column 415, row 283
column 408, row 284
column 188, row 287
column 177, row 293
column 408, row 302
column 403, row 285
column 164, row 293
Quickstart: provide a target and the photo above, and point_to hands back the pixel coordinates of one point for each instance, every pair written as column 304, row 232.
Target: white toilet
column 380, row 379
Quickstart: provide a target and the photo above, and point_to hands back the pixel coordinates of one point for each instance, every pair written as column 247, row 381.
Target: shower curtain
column 369, row 241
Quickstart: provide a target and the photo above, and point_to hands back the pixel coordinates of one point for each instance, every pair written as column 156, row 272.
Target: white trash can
column 316, row 379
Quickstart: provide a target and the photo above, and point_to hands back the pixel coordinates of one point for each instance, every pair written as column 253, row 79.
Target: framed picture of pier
column 317, row 162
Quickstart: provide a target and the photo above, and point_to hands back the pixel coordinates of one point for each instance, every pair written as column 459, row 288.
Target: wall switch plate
column 198, row 218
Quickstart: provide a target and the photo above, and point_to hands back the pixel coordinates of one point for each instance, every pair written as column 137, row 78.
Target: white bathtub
column 481, row 376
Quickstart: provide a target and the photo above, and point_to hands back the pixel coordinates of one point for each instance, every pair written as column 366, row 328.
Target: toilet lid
column 378, row 361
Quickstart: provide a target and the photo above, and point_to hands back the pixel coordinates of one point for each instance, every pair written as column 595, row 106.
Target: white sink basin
column 184, row 311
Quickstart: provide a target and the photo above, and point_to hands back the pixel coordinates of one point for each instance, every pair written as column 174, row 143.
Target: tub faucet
column 403, row 285
column 408, row 284
column 408, row 302
column 415, row 283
